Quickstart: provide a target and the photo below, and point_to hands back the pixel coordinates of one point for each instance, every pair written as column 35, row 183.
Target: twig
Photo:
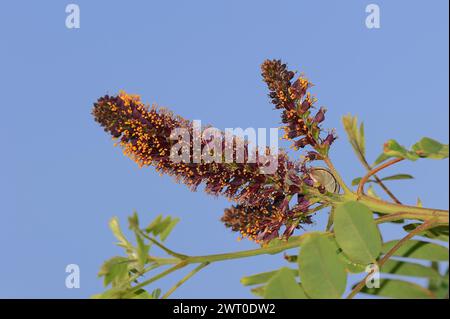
column 440, row 216
column 386, row 189
column 391, row 217
column 154, row 278
column 379, row 181
column 157, row 243
column 426, row 225
column 184, row 279
column 372, row 172
column 207, row 259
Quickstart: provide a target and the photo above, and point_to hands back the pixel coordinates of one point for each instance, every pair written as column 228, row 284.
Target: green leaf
column 168, row 229
column 409, row 269
column 437, row 233
column 354, row 268
column 154, row 224
column 393, row 149
column 355, row 136
column 397, row 177
column 350, row 266
column 263, row 277
column 142, row 251
column 441, row 290
column 357, row 180
column 321, row 271
column 361, row 139
column 156, row 293
column 430, row 148
column 162, row 227
column 283, row 286
column 380, row 159
column 115, row 271
column 439, row 286
column 418, row 250
column 133, row 221
column 141, row 294
column 399, row 289
column 123, row 242
column 425, row 148
column 356, row 233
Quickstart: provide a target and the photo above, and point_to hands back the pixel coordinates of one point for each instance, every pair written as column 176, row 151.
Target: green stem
column 157, row 243
column 405, row 211
column 380, row 206
column 271, row 250
column 373, row 172
column 207, row 259
column 396, row 211
column 184, row 279
column 144, row 271
column 378, row 180
column 164, row 261
column 154, row 278
column 390, row 217
column 292, row 243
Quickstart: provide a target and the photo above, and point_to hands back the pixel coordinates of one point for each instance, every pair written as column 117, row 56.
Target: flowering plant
column 270, row 207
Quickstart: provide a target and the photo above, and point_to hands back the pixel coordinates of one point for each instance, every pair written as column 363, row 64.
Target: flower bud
column 320, row 116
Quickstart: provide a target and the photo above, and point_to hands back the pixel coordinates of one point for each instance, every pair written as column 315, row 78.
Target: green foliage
column 418, row 250
column 439, row 286
column 400, row 289
column 430, row 148
column 425, row 148
column 162, row 226
column 321, row 271
column 324, row 260
column 403, row 268
column 356, row 232
column 121, row 272
column 350, row 266
column 283, row 285
column 408, row 267
column 263, row 277
column 277, row 284
column 115, row 271
column 436, row 233
column 355, row 136
column 123, row 242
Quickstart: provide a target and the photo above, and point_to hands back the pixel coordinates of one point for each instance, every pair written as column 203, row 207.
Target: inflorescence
column 297, row 105
column 265, row 207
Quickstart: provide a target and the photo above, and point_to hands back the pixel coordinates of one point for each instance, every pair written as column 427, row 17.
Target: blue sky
column 61, row 179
